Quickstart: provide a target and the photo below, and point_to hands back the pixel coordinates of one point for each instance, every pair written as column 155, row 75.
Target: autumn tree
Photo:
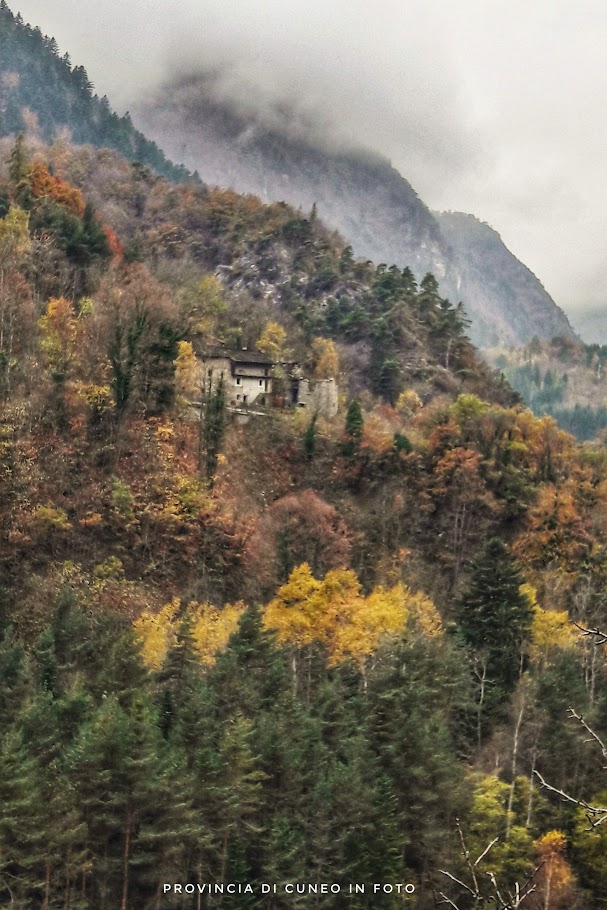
column 60, row 334
column 273, row 342
column 326, row 358
column 136, row 319
column 461, row 505
column 16, row 305
column 555, row 883
column 300, row 528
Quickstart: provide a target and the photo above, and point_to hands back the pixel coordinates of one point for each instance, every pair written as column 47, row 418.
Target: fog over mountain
column 485, row 108
column 278, row 154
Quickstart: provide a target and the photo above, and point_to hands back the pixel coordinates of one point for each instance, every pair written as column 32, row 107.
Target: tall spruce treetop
column 494, row 616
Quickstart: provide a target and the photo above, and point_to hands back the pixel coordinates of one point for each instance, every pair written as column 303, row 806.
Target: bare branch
column 594, row 736
column 516, row 900
column 601, row 637
column 466, row 854
column 458, row 882
column 447, row 900
column 596, row 814
column 486, row 850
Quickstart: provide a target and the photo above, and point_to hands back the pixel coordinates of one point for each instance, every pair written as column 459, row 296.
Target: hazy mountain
column 280, row 156
column 361, row 195
column 506, row 300
column 591, row 325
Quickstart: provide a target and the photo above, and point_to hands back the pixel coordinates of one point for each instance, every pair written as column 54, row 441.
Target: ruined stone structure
column 254, row 381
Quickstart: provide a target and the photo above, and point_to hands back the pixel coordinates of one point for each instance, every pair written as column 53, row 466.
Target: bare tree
column 472, row 891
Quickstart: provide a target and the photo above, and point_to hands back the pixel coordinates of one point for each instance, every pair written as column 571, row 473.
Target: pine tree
column 354, row 428
column 213, row 428
column 18, row 167
column 20, row 832
column 309, row 441
column 495, row 619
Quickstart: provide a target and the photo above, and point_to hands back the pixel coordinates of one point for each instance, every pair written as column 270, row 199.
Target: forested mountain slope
column 228, row 651
column 563, row 378
column 45, row 94
column 362, row 196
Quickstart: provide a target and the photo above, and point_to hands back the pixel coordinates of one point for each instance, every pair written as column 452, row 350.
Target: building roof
column 254, row 357
column 250, row 357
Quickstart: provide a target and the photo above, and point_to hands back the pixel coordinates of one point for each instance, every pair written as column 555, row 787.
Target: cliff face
column 507, row 302
column 363, row 197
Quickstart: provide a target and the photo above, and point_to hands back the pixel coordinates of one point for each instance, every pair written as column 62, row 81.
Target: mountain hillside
column 366, row 199
column 229, row 647
column 563, row 378
column 41, row 92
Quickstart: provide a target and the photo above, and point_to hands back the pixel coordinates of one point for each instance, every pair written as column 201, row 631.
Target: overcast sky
column 495, row 107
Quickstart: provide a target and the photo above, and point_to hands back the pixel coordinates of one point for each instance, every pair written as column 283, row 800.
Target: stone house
column 247, row 376
column 254, row 380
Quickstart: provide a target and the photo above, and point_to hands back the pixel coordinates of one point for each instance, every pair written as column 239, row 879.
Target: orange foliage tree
column 44, row 185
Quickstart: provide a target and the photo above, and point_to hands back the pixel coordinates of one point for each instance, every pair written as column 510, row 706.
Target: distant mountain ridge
column 508, row 302
column 363, row 197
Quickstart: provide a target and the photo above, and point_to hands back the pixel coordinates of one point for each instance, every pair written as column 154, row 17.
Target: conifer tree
column 213, row 428
column 354, row 428
column 495, row 618
column 18, row 165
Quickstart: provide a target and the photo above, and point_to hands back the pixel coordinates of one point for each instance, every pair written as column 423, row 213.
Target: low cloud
column 490, row 108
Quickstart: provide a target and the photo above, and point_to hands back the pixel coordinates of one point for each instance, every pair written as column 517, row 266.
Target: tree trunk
column 47, row 884
column 514, row 759
column 224, row 855
column 125, row 859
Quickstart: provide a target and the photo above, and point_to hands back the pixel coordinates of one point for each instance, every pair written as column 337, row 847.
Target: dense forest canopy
column 297, row 649
column 564, row 378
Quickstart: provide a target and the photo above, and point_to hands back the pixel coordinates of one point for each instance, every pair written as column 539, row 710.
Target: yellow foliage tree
column 294, row 611
column 272, row 342
column 211, row 630
column 213, row 627
column 326, row 358
column 335, row 614
column 187, row 373
column 492, row 816
column 551, row 630
column 15, row 241
column 155, row 632
column 60, row 336
column 203, row 306
column 554, row 881
column 408, row 403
